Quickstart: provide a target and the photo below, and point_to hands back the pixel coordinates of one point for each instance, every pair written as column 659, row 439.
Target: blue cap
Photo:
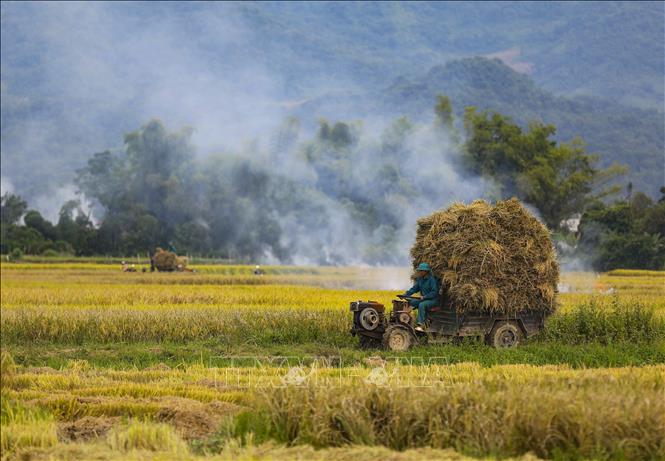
column 424, row 267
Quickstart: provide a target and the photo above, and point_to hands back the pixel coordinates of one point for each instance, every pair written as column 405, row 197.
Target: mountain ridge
column 618, row 133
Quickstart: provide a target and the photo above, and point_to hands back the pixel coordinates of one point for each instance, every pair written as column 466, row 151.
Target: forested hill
column 618, row 133
column 607, row 49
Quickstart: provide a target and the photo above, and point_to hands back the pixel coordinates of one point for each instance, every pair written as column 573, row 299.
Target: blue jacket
column 428, row 286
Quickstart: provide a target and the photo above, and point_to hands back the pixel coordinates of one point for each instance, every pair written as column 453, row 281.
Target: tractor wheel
column 397, row 338
column 367, row 342
column 505, row 334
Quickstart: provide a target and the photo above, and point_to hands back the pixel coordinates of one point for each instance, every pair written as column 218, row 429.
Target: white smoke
column 103, row 62
column 429, row 180
column 6, row 186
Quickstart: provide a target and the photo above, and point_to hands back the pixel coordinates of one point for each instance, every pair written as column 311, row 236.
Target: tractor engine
column 368, row 318
column 401, row 312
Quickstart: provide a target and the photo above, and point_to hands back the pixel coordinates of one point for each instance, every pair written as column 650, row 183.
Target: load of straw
column 167, row 261
column 498, row 259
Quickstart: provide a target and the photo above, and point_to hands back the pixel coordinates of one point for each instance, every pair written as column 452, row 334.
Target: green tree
column 27, row 239
column 35, row 220
column 145, row 192
column 630, row 251
column 624, row 234
column 141, row 233
column 559, row 179
column 192, row 237
column 12, row 208
column 75, row 228
column 443, row 111
column 558, row 182
column 649, row 216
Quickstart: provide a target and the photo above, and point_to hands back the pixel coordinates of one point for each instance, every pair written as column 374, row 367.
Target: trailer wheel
column 367, row 342
column 505, row 334
column 397, row 338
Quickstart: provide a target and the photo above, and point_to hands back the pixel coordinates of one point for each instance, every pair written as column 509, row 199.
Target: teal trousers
column 423, row 308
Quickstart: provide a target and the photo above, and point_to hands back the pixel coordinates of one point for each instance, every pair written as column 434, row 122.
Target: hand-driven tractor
column 397, row 331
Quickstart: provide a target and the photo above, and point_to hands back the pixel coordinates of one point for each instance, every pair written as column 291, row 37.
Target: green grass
column 24, row 427
column 213, row 353
column 630, row 322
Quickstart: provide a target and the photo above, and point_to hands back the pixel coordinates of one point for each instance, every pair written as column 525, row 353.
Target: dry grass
column 636, row 273
column 86, row 428
column 154, row 296
column 506, row 410
column 234, row 451
column 597, row 414
column 140, row 435
column 496, row 258
column 162, row 412
column 72, row 307
column 249, row 326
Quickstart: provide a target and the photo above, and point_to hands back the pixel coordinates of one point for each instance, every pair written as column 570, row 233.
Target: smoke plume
column 105, row 69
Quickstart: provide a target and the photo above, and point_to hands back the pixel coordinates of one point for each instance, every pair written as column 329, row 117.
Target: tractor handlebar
column 403, row 296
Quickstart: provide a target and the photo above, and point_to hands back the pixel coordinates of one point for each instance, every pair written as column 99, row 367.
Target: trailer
column 446, row 324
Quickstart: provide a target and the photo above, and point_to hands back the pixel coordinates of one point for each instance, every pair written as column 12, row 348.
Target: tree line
column 340, row 196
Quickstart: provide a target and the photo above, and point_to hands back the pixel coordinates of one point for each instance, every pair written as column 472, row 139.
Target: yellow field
column 98, row 285
column 263, row 367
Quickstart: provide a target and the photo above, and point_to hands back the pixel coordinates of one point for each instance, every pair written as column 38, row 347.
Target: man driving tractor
column 428, row 286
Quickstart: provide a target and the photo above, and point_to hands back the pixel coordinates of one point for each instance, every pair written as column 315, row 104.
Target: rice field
column 224, row 364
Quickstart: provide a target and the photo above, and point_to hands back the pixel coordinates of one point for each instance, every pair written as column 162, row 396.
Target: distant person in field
column 428, row 286
column 152, row 262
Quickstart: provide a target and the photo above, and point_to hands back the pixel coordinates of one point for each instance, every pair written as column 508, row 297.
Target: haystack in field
column 497, row 258
column 167, row 261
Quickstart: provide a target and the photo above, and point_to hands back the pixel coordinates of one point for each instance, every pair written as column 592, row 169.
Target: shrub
column 590, row 322
column 16, row 254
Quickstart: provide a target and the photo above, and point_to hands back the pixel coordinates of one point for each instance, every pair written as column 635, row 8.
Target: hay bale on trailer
column 167, row 261
column 499, row 259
